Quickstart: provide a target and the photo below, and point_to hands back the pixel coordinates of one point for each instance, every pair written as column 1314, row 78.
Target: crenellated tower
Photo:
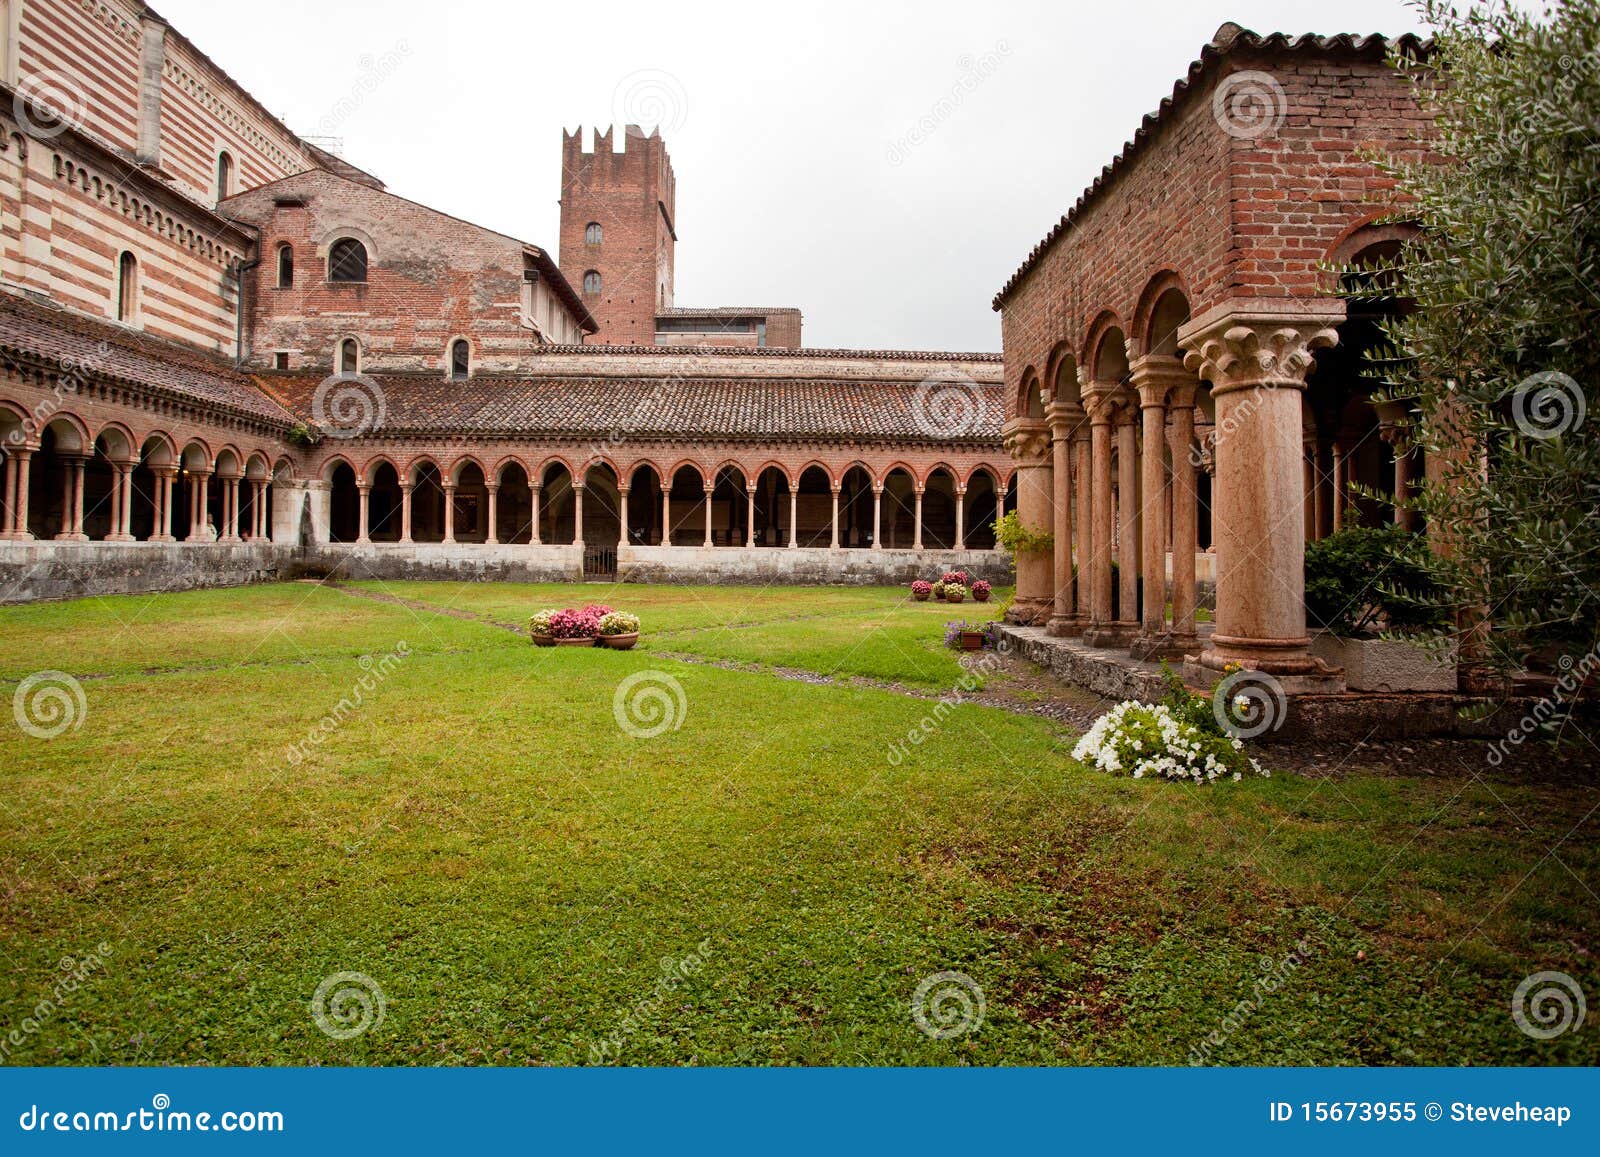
column 617, row 234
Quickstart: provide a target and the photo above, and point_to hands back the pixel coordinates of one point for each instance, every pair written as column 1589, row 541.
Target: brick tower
column 616, row 231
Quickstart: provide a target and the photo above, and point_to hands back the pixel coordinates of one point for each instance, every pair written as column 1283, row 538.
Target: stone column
column 364, row 489
column 230, row 509
column 72, row 501
column 750, row 515
column 622, row 516
column 711, row 491
column 577, row 513
column 1064, row 419
column 794, row 515
column 21, row 459
column 8, row 512
column 449, row 489
column 1156, row 378
column 405, row 511
column 1027, row 440
column 961, row 518
column 1129, row 521
column 916, row 537
column 1083, row 494
column 169, row 483
column 834, row 542
column 263, row 496
column 1341, row 468
column 1102, row 410
column 877, row 516
column 1256, row 358
column 1185, row 517
column 535, row 493
column 1392, row 430
column 492, row 535
column 666, row 516
column 198, row 481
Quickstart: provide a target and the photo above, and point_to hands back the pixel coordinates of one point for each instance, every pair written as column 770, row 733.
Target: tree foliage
column 1496, row 352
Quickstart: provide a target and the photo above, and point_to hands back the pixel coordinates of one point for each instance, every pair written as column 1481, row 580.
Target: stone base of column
column 116, row 538
column 153, row 537
column 1028, row 612
column 1163, row 646
column 1112, row 635
column 1286, row 660
column 1065, row 626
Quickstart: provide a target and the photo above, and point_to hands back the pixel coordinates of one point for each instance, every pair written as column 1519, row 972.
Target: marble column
column 794, row 515
column 622, row 516
column 1155, row 378
column 1185, row 516
column 8, row 511
column 916, row 536
column 492, row 534
column 1102, row 412
column 449, row 489
column 577, row 514
column 364, row 489
column 710, row 493
column 961, row 518
column 405, row 511
column 877, row 516
column 1257, row 357
column 1129, row 522
column 833, row 543
column 666, row 515
column 1065, row 418
column 199, row 483
column 750, row 515
column 21, row 459
column 1341, row 468
column 1027, row 440
column 72, row 501
column 230, row 509
column 535, row 494
column 1083, row 494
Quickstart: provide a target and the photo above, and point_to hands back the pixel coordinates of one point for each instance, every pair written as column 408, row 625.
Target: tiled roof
column 770, row 352
column 671, row 407
column 1230, row 38
column 41, row 333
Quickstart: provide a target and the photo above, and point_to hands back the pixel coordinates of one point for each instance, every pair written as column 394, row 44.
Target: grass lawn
column 480, row 838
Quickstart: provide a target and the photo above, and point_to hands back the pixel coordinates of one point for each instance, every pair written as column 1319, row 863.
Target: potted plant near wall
column 955, row 576
column 980, row 591
column 619, row 630
column 921, row 590
column 936, row 590
column 954, row 593
column 961, row 635
column 539, row 629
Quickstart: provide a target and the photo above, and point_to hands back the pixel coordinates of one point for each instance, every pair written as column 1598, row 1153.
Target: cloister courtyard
column 758, row 861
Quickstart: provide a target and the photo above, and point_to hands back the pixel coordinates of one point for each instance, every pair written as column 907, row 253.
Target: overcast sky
column 805, row 176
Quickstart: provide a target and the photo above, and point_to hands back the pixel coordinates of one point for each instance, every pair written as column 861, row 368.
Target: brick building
column 1182, row 387
column 223, row 348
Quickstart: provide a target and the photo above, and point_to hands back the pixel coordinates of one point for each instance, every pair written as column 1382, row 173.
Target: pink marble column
column 364, row 489
column 1065, row 418
column 961, row 518
column 710, row 493
column 1185, row 516
column 666, row 515
column 1084, row 519
column 833, row 544
column 1155, row 378
column 750, row 515
column 449, row 489
column 1257, row 359
column 22, row 459
column 916, row 536
column 877, row 516
column 72, row 500
column 405, row 511
column 1102, row 410
column 535, row 494
column 622, row 515
column 1028, row 442
column 794, row 517
column 577, row 514
column 1128, row 523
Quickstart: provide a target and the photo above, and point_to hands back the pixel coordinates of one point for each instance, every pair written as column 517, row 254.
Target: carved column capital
column 1064, row 419
column 1027, row 440
column 1157, row 376
column 1261, row 345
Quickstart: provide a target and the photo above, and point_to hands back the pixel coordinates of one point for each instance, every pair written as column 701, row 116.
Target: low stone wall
column 61, row 570
column 30, row 571
column 764, row 566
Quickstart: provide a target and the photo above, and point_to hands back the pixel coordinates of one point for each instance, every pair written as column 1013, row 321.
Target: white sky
column 784, row 123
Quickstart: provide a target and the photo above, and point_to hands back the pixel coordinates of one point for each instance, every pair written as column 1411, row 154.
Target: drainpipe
column 237, row 272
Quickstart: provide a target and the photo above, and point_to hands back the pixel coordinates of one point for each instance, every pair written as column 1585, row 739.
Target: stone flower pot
column 921, row 596
column 955, row 598
column 980, row 596
column 620, row 642
column 544, row 640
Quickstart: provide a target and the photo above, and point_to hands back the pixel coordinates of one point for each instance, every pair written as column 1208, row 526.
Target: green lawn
column 482, row 839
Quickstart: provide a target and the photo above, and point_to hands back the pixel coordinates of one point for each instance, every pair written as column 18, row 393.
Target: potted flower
column 921, row 590
column 955, row 576
column 937, row 591
column 569, row 628
column 539, row 628
column 961, row 635
column 980, row 591
column 954, row 593
column 619, row 630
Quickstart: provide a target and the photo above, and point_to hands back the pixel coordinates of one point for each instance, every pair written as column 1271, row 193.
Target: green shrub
column 1357, row 577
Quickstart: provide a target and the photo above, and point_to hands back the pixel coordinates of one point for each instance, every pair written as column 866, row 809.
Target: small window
column 591, row 282
column 285, row 266
column 592, row 233
column 127, row 286
column 460, row 359
column 347, row 260
column 224, row 175
column 349, row 356
column 280, row 360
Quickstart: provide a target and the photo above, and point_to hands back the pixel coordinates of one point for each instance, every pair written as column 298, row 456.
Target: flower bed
column 1179, row 738
column 590, row 624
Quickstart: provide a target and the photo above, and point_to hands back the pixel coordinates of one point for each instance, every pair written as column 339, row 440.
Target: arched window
column 460, row 358
column 127, row 286
column 285, row 266
column 592, row 233
column 347, row 260
column 224, row 175
column 349, row 356
column 591, row 282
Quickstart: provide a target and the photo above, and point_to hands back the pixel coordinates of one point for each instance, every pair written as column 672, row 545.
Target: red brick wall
column 1230, row 216
column 430, row 278
column 632, row 196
